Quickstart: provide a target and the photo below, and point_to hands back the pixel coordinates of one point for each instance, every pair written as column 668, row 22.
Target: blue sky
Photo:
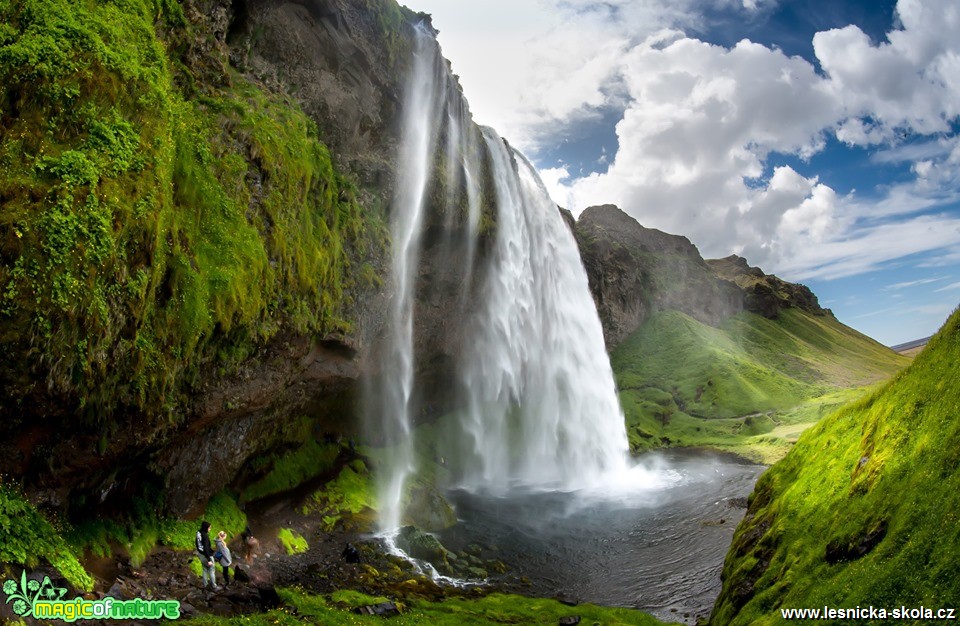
column 817, row 139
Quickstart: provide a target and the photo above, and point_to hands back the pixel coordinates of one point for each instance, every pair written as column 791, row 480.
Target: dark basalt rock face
column 343, row 63
column 766, row 294
column 339, row 63
column 635, row 271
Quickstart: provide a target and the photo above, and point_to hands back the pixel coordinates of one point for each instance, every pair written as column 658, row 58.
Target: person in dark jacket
column 205, row 551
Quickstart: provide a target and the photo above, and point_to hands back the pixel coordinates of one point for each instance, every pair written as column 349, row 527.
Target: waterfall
column 539, row 407
column 422, row 104
column 542, row 408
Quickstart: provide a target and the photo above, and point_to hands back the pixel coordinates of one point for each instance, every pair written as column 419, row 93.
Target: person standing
column 224, row 556
column 206, row 556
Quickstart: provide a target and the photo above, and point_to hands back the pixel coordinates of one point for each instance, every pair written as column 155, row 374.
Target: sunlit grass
column 751, row 386
column 886, row 463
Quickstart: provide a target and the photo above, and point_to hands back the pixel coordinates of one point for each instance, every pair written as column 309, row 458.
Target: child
column 223, row 555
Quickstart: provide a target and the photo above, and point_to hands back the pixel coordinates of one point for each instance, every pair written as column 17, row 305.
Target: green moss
column 750, row 385
column 292, row 541
column 223, row 514
column 350, row 494
column 143, row 529
column 29, row 539
column 493, row 609
column 149, row 230
column 286, row 472
column 864, row 509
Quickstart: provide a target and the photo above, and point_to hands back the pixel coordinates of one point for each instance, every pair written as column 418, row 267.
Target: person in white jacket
column 223, row 556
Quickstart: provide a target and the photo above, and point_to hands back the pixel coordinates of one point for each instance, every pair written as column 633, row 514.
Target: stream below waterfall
column 657, row 544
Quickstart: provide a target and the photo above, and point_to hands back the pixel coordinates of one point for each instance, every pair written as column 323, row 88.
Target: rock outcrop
column 765, row 294
column 343, row 63
column 635, row 271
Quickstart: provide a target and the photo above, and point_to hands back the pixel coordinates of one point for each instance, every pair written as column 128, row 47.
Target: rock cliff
column 237, row 278
column 636, row 271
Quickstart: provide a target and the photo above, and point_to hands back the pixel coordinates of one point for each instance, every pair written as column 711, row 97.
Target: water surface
column 654, row 539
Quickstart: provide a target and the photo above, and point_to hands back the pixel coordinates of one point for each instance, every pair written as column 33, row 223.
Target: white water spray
column 421, row 107
column 542, row 407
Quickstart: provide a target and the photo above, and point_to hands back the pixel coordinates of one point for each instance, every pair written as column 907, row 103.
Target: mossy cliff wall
column 193, row 199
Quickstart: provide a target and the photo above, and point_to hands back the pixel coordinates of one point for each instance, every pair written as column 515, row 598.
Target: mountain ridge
column 636, row 271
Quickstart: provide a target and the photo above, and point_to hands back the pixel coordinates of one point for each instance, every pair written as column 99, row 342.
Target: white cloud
column 911, row 81
column 915, row 283
column 950, row 287
column 864, row 249
column 700, row 122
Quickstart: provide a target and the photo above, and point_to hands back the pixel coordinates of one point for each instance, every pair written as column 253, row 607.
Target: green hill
column 751, row 384
column 864, row 510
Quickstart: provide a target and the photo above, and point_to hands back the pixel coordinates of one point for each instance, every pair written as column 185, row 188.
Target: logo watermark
column 43, row 600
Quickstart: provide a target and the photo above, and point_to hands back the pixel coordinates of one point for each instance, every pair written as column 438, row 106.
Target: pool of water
column 654, row 538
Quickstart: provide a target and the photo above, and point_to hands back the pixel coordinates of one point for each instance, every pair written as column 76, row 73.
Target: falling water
column 542, row 408
column 421, row 107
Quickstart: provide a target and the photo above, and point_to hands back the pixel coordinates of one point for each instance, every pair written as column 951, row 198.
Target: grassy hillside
column 865, row 510
column 749, row 385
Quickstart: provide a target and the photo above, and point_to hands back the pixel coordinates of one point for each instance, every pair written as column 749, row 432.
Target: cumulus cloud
column 911, row 81
column 702, row 121
column 702, row 124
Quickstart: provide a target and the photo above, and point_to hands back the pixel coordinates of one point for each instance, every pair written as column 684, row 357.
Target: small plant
column 292, row 541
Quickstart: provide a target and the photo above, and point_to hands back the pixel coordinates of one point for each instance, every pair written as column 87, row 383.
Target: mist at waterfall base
column 535, row 454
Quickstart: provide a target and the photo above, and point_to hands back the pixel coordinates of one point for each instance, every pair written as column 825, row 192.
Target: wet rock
column 187, row 609
column 477, row 572
column 565, row 599
column 384, row 609
column 569, row 620
column 429, row 510
column 420, row 545
column 121, row 590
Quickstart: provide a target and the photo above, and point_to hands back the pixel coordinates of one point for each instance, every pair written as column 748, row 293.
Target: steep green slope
column 159, row 213
column 683, row 382
column 865, row 510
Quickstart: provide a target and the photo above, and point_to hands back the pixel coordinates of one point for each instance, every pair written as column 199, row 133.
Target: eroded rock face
column 343, row 63
column 766, row 294
column 635, row 271
column 340, row 64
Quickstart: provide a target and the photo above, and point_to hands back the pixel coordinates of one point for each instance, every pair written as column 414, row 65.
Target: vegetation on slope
column 865, row 510
column 337, row 608
column 159, row 214
column 29, row 538
column 748, row 385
